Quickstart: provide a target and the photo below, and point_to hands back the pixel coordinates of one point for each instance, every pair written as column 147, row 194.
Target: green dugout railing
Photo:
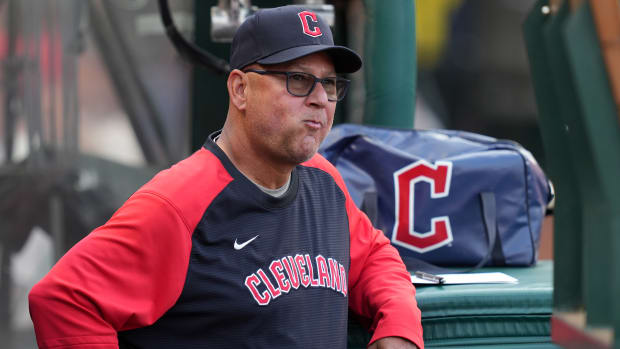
column 390, row 65
column 581, row 136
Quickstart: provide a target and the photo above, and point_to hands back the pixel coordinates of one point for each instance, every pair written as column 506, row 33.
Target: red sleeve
column 380, row 287
column 129, row 272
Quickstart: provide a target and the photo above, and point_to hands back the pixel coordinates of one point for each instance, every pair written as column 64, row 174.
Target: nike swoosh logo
column 238, row 246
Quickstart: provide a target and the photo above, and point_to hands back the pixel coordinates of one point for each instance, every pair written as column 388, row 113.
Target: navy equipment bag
column 449, row 198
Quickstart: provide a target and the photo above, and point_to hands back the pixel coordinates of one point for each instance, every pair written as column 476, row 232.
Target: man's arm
column 129, row 272
column 123, row 275
column 380, row 287
column 392, row 343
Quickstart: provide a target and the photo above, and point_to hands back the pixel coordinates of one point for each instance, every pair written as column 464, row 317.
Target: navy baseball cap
column 282, row 34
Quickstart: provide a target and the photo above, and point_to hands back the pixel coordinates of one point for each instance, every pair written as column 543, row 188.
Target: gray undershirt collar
column 276, row 193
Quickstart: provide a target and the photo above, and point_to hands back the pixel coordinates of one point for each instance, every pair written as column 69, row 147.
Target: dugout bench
column 484, row 315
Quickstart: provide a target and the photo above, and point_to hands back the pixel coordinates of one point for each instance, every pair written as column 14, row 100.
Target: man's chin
column 303, row 154
column 305, row 150
column 300, row 158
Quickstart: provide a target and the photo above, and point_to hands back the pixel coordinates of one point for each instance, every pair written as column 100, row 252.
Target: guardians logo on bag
column 439, row 177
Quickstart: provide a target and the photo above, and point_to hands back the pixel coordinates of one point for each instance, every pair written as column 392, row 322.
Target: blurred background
column 95, row 100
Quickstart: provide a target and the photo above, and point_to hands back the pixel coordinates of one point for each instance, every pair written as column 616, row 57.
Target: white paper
column 469, row 278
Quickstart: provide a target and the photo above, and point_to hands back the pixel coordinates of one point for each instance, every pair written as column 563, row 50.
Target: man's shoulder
column 199, row 173
column 320, row 162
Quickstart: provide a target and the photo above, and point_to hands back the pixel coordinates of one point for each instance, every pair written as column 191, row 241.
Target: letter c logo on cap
column 303, row 16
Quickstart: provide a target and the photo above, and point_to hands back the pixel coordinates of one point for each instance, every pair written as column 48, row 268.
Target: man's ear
column 237, row 85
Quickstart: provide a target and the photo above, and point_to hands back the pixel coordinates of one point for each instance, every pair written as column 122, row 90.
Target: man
column 253, row 241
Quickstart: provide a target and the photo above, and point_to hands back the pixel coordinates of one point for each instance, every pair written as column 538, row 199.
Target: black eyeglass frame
column 316, row 79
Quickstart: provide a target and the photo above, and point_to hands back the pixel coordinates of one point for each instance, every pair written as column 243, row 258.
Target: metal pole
column 51, row 30
column 71, row 48
column 11, row 71
column 32, row 16
column 390, row 63
column 132, row 93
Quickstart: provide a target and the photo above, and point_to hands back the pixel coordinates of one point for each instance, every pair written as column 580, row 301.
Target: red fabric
column 130, row 271
column 380, row 287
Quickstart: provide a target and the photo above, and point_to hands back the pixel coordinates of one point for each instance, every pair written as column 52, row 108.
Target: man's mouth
column 313, row 124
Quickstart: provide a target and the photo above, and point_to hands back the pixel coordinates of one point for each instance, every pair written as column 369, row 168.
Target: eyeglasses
column 301, row 84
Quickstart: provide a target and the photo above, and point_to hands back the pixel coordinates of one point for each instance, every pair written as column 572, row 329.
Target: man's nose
column 318, row 96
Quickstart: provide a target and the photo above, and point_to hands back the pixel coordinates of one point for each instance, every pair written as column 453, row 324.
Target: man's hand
column 392, row 343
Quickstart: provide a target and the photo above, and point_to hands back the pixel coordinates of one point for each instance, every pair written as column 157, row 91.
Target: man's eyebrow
column 305, row 68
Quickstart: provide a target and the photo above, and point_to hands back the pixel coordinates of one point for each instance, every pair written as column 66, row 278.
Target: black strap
column 370, row 206
column 188, row 50
column 489, row 217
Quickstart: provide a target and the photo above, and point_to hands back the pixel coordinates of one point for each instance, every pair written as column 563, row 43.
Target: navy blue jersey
column 200, row 257
column 286, row 288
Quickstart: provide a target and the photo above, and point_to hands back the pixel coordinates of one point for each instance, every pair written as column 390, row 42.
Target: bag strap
column 370, row 207
column 489, row 217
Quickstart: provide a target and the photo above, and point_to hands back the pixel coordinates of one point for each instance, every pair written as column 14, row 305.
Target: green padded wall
column 600, row 123
column 560, row 162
